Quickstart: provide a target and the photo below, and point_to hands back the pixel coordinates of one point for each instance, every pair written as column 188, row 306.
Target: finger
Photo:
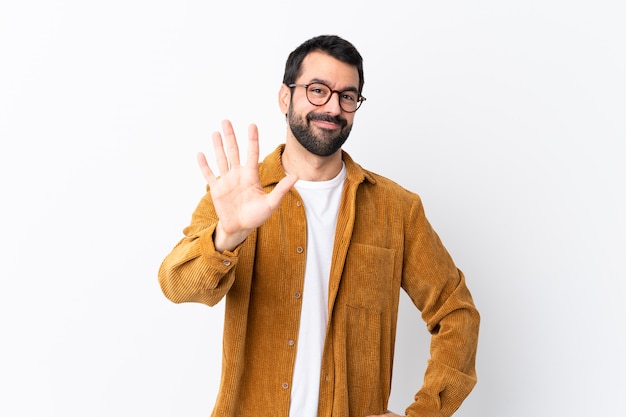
column 220, row 155
column 230, row 143
column 281, row 189
column 207, row 173
column 253, row 146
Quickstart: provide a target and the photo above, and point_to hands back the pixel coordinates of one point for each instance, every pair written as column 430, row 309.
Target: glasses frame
column 359, row 101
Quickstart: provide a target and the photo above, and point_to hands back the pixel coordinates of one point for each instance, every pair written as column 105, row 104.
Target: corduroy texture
column 383, row 243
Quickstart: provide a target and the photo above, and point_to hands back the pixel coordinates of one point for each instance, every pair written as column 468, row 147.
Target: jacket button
column 285, row 385
column 299, row 249
column 297, row 294
column 291, row 342
column 227, row 262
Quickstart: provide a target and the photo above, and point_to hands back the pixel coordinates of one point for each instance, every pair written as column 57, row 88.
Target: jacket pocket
column 367, row 279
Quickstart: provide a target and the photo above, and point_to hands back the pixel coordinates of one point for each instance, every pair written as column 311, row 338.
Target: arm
column 439, row 291
column 194, row 271
column 201, row 266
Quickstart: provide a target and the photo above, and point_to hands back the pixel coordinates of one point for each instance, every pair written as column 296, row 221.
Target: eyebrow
column 319, row 80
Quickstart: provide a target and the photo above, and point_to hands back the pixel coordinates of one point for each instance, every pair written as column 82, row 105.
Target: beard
column 324, row 144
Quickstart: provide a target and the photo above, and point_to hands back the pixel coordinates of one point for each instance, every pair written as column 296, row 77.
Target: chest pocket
column 367, row 279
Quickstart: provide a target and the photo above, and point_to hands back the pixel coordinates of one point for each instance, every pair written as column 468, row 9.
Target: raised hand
column 240, row 202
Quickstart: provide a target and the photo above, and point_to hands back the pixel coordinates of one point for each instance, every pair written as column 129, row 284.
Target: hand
column 240, row 202
column 387, row 414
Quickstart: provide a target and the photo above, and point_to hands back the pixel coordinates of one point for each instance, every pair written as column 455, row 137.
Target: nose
column 332, row 106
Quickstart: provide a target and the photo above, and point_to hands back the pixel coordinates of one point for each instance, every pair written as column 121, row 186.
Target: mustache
column 327, row 118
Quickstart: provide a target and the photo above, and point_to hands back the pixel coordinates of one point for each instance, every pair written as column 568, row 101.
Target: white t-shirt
column 321, row 204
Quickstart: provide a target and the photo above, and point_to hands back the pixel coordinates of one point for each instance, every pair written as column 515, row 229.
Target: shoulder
column 377, row 184
column 384, row 185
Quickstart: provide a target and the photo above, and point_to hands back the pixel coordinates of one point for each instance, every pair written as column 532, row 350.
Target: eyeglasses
column 319, row 94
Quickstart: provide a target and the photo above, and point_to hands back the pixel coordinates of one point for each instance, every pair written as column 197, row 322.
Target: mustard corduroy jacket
column 383, row 243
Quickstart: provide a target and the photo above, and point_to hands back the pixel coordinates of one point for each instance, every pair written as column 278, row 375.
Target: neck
column 307, row 166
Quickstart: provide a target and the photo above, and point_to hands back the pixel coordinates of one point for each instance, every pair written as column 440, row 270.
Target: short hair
column 332, row 45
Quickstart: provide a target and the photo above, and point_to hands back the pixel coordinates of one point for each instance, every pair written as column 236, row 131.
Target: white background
column 506, row 117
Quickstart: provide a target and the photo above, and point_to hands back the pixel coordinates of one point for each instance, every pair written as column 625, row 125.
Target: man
column 310, row 251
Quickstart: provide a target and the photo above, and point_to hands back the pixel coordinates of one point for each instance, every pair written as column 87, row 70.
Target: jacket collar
column 271, row 169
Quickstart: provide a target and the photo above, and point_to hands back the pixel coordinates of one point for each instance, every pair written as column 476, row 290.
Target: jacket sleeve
column 194, row 271
column 439, row 291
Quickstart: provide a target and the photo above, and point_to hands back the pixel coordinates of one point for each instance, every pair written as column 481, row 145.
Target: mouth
column 325, row 125
column 326, row 122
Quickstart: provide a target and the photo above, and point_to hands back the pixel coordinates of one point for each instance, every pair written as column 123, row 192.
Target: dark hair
column 332, row 45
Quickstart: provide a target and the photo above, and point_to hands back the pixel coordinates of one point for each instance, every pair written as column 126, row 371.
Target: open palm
column 240, row 202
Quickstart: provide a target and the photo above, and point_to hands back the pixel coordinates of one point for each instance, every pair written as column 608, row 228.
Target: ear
column 284, row 98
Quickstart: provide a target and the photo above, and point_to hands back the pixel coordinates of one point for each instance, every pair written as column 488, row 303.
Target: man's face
column 322, row 130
